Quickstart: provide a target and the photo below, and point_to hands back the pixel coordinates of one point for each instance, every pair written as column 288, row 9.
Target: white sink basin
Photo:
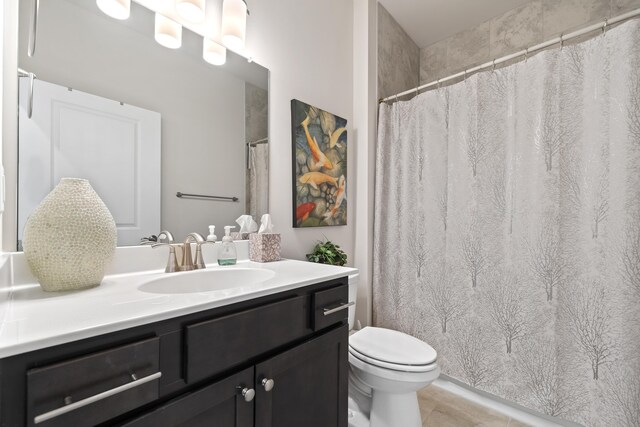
column 207, row 280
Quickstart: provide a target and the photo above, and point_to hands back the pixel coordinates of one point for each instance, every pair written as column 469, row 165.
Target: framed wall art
column 319, row 166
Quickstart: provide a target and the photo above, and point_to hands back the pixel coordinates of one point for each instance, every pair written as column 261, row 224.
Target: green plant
column 327, row 252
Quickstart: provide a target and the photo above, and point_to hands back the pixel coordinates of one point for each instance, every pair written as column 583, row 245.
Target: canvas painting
column 319, row 166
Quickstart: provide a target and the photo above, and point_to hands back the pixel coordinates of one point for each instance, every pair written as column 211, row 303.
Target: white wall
column 1, row 98
column 9, row 117
column 364, row 115
column 307, row 45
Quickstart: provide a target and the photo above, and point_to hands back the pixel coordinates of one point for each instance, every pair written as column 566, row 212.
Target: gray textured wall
column 398, row 57
column 256, row 107
column 528, row 25
column 256, row 125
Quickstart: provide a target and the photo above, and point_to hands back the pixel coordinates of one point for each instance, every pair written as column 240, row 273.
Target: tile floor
column 440, row 408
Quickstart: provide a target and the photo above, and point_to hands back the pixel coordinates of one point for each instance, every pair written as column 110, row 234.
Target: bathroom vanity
column 270, row 354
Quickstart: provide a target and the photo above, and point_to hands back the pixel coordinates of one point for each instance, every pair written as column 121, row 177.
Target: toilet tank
column 353, row 294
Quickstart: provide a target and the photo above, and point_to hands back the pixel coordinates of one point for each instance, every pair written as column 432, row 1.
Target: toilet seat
column 393, row 366
column 399, row 377
column 392, row 349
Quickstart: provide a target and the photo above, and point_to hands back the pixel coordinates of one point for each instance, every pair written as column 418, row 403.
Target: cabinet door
column 305, row 386
column 220, row 404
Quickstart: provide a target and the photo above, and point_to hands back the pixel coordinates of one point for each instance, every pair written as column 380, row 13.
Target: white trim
column 497, row 404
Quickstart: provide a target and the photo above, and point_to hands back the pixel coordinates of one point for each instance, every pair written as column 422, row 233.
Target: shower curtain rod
column 561, row 39
column 260, row 141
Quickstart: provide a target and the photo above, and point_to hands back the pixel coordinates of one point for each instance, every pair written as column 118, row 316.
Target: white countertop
column 31, row 319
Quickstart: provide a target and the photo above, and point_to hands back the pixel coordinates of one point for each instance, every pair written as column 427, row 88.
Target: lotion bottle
column 227, row 254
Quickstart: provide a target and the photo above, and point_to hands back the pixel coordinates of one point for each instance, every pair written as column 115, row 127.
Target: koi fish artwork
column 319, row 142
column 316, row 178
column 321, row 160
column 335, row 136
column 303, row 211
column 340, row 195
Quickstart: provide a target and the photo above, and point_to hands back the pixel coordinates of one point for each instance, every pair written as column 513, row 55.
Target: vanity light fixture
column 168, row 32
column 214, row 53
column 118, row 9
column 191, row 10
column 234, row 24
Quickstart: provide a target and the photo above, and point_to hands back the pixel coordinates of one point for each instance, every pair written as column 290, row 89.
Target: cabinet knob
column 247, row 393
column 268, row 384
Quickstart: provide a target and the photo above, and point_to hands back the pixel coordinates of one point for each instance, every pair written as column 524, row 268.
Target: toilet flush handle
column 268, row 384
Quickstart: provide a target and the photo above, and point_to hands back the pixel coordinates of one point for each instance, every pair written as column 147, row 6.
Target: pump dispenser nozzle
column 212, row 234
column 227, row 233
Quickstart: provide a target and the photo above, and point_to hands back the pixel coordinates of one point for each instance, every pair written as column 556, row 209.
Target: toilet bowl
column 386, row 369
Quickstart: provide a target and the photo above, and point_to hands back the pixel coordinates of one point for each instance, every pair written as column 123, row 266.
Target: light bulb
column 191, row 10
column 118, row 9
column 168, row 32
column 234, row 24
column 213, row 52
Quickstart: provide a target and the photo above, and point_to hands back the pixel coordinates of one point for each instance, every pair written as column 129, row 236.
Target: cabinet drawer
column 330, row 306
column 216, row 345
column 87, row 390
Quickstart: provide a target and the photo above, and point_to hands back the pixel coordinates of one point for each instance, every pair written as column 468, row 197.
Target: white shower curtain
column 258, row 181
column 507, row 228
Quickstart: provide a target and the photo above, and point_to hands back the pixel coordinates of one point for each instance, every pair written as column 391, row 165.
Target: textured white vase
column 70, row 237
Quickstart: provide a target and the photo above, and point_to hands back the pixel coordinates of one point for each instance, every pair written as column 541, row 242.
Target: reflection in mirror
column 140, row 121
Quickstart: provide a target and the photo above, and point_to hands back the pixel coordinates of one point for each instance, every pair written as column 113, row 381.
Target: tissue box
column 264, row 247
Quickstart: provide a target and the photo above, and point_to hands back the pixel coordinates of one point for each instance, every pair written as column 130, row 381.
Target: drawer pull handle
column 95, row 398
column 328, row 311
column 268, row 384
column 247, row 393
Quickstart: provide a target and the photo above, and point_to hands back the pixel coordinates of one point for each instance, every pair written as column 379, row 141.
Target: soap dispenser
column 227, row 254
column 212, row 234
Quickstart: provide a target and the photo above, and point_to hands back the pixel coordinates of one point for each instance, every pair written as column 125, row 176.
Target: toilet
column 386, row 369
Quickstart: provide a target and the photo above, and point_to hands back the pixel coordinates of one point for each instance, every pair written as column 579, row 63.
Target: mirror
column 142, row 122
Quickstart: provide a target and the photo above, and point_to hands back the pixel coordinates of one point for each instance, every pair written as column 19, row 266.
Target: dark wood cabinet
column 303, row 386
column 275, row 361
column 309, row 384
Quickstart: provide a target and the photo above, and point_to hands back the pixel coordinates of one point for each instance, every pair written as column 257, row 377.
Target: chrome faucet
column 167, row 235
column 164, row 234
column 187, row 259
column 187, row 263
